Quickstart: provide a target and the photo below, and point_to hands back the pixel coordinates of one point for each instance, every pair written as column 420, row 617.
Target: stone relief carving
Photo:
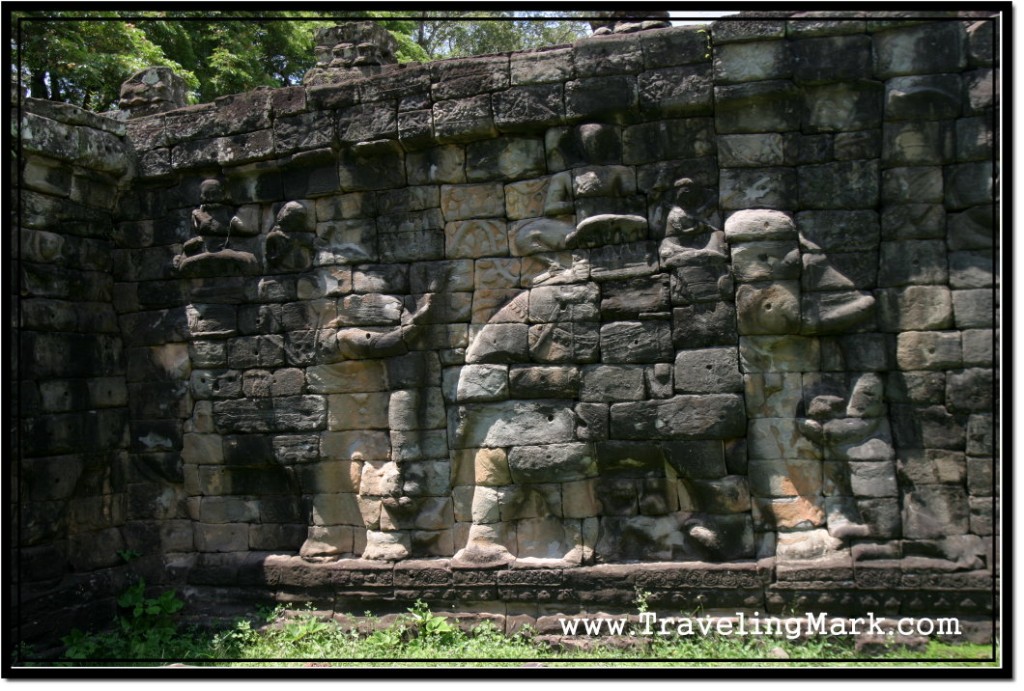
column 637, row 383
column 151, row 91
column 626, row 21
column 208, row 252
column 398, row 446
column 688, row 237
column 550, row 483
column 639, row 500
column 596, row 403
column 819, row 444
column 356, row 343
column 289, row 244
column 603, row 381
column 350, row 50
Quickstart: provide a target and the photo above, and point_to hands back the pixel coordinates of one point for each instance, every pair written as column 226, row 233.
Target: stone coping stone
column 72, row 115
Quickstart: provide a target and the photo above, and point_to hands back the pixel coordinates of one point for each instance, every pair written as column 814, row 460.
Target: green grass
column 391, row 646
column 147, row 634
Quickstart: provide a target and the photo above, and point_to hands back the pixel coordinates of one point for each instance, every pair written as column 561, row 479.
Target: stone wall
column 72, row 397
column 665, row 296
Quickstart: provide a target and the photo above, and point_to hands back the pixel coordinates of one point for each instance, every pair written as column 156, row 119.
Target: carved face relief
column 211, row 192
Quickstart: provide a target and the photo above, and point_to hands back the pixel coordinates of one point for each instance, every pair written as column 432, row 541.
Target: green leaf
column 83, row 57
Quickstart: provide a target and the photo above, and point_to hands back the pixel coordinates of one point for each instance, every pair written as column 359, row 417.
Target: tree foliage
column 230, row 51
column 460, row 34
column 82, row 57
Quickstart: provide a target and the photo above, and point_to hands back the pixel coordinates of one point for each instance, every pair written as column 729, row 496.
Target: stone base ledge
column 838, row 586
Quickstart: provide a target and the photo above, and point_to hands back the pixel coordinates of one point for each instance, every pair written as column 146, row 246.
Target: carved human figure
column 848, row 420
column 289, row 245
column 213, row 224
column 212, row 221
column 689, row 238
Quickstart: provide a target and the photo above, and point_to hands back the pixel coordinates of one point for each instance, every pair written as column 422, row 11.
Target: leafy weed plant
column 147, row 632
